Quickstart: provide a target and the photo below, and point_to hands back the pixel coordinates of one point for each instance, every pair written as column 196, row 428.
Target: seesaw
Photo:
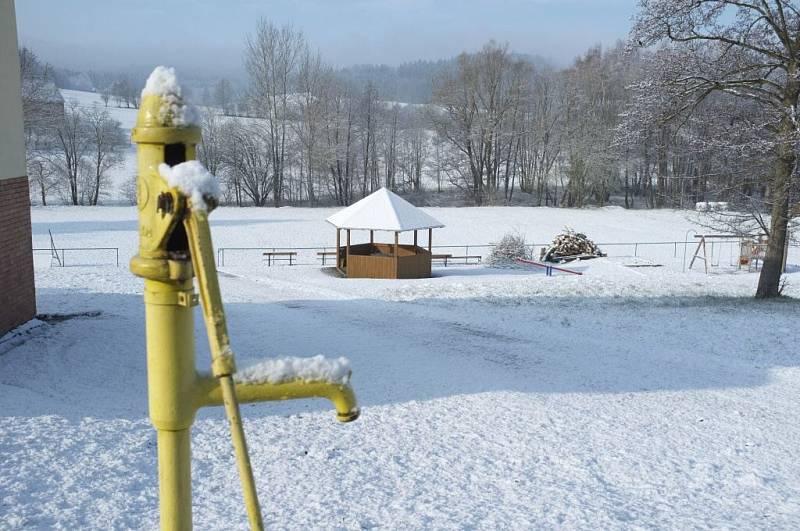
column 547, row 267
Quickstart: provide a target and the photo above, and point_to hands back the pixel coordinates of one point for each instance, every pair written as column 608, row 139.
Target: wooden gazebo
column 387, row 212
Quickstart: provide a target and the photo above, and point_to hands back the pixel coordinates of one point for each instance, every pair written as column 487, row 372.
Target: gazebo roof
column 383, row 210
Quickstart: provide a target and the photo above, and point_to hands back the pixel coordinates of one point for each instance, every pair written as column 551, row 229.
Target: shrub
column 506, row 252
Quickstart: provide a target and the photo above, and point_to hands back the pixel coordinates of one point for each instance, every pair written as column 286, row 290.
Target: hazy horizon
column 87, row 34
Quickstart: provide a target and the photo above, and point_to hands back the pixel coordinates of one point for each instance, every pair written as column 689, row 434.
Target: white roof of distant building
column 383, row 210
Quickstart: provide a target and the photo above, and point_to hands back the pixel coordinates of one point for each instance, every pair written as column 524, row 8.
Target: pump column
column 164, row 262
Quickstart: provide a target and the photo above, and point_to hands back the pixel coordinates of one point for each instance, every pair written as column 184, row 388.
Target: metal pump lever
column 222, row 361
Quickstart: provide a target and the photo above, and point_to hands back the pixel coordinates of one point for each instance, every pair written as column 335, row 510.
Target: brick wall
column 17, row 296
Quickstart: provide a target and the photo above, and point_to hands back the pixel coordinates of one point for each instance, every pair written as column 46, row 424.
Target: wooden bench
column 465, row 259
column 323, row 255
column 274, row 256
column 442, row 257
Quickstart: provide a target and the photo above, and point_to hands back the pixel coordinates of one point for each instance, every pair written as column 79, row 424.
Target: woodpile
column 571, row 245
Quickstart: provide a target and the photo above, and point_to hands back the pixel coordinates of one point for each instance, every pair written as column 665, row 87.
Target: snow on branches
column 508, row 250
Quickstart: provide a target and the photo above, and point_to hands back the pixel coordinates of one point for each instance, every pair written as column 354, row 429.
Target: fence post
column 116, row 251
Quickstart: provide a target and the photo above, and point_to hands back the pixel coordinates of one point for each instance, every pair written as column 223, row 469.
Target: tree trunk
column 770, row 279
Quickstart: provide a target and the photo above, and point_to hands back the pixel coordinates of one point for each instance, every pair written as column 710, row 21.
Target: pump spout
column 208, row 393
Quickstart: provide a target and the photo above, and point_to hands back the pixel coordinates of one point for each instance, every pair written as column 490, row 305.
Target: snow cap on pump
column 162, row 100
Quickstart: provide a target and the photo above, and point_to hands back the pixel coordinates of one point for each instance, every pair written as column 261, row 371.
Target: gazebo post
column 338, row 245
column 347, row 252
column 430, row 238
column 396, row 251
column 415, row 237
column 371, row 237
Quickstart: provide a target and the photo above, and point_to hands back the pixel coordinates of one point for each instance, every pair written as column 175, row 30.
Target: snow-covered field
column 492, row 399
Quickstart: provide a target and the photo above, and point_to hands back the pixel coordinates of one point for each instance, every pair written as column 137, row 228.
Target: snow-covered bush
column 508, row 250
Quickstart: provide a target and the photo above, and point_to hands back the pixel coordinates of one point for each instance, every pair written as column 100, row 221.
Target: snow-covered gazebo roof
column 383, row 210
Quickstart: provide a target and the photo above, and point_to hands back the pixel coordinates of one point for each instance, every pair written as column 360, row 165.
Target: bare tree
column 339, row 132
column 413, row 151
column 542, row 143
column 105, row 95
column 473, row 108
column 248, row 162
column 313, row 83
column 43, row 175
column 271, row 60
column 41, row 102
column 390, row 147
column 211, row 150
column 106, row 142
column 73, row 145
column 125, row 92
column 128, row 189
column 368, row 118
column 42, row 107
column 223, row 96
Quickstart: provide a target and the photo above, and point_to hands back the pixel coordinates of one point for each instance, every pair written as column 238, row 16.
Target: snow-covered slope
column 492, row 399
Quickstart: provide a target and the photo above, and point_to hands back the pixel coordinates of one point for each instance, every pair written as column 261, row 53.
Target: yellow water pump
column 175, row 247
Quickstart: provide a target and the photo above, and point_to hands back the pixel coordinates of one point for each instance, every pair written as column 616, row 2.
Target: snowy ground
column 624, row 398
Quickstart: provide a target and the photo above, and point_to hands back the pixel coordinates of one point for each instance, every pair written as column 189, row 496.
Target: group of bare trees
column 123, row 92
column 304, row 133
column 496, row 125
column 611, row 127
column 570, row 137
column 69, row 149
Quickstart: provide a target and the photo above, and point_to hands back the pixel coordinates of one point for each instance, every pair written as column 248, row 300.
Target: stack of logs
column 571, row 245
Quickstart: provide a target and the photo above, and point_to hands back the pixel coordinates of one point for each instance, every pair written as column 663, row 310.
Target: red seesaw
column 548, row 268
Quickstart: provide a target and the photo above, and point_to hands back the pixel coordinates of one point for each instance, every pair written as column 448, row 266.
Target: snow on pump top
column 163, row 82
column 193, row 180
column 279, row 370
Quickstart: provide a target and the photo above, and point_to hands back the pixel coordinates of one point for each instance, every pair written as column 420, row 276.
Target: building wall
column 17, row 297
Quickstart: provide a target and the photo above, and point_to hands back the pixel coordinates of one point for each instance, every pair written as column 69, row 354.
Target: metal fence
column 231, row 256
column 80, row 256
column 719, row 252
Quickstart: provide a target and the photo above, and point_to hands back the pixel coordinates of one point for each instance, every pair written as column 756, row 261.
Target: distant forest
column 407, row 83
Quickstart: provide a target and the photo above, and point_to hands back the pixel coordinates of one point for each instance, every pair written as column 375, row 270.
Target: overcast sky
column 209, row 34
